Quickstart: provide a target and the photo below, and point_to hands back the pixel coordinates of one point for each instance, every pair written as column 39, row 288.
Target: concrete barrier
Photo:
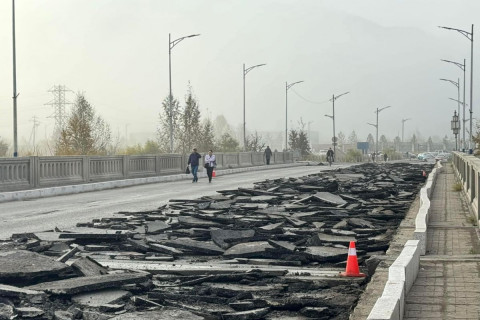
column 404, row 270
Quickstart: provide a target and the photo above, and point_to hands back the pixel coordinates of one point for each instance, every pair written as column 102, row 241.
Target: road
column 66, row 211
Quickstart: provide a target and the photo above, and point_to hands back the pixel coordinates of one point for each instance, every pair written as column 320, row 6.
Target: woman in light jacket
column 210, row 163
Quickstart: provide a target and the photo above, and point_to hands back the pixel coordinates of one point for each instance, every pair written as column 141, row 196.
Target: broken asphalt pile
column 269, row 252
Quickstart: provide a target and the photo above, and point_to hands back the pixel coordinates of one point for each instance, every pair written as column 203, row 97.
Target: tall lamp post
column 376, row 127
column 334, row 138
column 403, row 125
column 287, row 86
column 456, row 84
column 462, row 67
column 469, row 36
column 172, row 44
column 245, row 71
column 455, row 127
column 15, row 95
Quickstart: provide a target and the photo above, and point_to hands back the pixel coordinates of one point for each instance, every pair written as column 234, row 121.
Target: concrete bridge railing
column 43, row 172
column 404, row 270
column 467, row 170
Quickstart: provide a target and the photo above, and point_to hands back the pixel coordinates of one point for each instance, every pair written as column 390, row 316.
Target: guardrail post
column 86, row 168
column 34, row 172
column 125, row 161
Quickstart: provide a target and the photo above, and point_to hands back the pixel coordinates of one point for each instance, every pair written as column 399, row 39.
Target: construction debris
column 274, row 251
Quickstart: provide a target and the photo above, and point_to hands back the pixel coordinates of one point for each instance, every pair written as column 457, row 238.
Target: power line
column 307, row 100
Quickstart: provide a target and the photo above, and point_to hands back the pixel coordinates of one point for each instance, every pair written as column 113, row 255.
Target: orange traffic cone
column 214, row 174
column 352, row 269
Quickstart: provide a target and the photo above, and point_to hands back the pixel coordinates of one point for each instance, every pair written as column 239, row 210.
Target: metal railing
column 40, row 172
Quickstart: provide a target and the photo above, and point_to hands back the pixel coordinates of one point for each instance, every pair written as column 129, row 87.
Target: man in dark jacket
column 268, row 154
column 193, row 162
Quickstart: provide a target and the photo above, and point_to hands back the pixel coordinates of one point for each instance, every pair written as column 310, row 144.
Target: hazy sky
column 116, row 51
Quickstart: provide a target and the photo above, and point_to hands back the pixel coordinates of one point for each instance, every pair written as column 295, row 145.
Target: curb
column 97, row 186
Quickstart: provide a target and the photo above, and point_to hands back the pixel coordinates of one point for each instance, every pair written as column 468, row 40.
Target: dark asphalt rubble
column 269, row 252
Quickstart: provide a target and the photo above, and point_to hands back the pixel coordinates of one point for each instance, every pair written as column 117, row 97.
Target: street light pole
column 462, row 67
column 15, row 95
column 334, row 138
column 456, row 84
column 403, row 125
column 376, row 127
column 469, row 36
column 172, row 44
column 287, row 86
column 245, row 71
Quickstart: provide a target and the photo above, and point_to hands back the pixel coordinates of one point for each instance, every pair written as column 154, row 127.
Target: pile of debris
column 269, row 252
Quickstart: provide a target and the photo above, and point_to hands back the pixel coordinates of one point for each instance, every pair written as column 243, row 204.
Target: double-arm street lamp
column 172, row 44
column 469, row 36
column 334, row 138
column 456, row 84
column 455, row 127
column 462, row 67
column 245, row 71
column 376, row 127
column 287, row 86
column 403, row 125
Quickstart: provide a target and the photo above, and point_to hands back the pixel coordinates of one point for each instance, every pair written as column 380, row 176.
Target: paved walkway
column 448, row 284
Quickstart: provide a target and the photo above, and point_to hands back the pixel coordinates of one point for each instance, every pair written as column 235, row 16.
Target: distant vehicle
column 426, row 156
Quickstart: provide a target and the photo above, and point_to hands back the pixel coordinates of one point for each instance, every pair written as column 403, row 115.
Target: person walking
column 330, row 156
column 268, row 154
column 385, row 157
column 210, row 164
column 193, row 161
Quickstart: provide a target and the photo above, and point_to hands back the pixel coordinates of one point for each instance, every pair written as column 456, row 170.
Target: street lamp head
column 329, row 116
column 373, row 125
column 380, row 109
column 193, row 35
column 292, row 84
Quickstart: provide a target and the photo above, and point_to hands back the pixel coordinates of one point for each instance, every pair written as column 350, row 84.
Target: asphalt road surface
column 66, row 211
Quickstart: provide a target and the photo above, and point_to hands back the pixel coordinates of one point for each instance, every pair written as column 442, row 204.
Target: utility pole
column 58, row 103
column 36, row 123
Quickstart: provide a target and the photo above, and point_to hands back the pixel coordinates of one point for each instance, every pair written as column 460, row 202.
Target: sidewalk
column 448, row 283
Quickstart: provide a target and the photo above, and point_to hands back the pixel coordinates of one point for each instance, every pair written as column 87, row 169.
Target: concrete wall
column 467, row 170
column 404, row 270
column 43, row 172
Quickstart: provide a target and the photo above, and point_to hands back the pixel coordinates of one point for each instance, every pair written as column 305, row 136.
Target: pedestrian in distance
column 268, row 154
column 330, row 156
column 193, row 162
column 385, row 157
column 210, row 164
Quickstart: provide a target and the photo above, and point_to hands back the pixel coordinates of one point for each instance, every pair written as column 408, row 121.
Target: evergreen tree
column 371, row 142
column 227, row 143
column 383, row 142
column 189, row 124
column 3, row 148
column 206, row 139
column 163, row 131
column 85, row 133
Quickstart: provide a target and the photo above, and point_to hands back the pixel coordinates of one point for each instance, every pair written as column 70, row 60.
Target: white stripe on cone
column 352, row 251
